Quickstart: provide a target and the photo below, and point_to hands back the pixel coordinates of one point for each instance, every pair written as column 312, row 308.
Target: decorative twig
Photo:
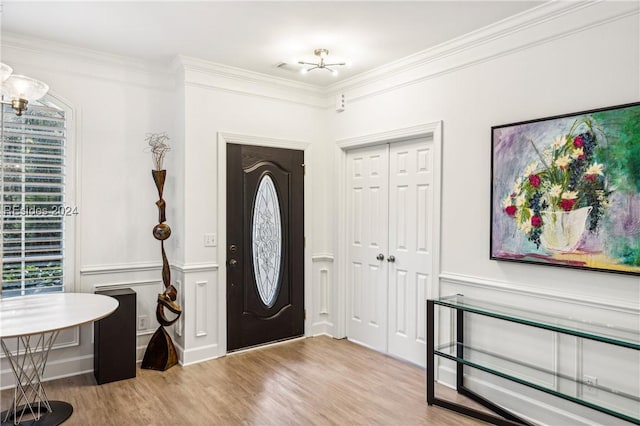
column 159, row 146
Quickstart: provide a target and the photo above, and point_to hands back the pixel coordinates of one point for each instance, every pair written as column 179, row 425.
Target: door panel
column 368, row 237
column 265, row 251
column 410, row 213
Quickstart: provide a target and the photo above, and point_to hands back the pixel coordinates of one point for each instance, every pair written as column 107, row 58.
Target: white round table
column 35, row 322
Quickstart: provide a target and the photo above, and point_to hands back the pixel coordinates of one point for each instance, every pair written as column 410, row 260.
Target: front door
column 265, row 245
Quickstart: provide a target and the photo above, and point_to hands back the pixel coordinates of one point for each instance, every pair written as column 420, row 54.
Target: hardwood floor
column 318, row 381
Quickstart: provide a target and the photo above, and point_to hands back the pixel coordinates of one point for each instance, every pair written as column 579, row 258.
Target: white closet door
column 410, row 243
column 367, row 296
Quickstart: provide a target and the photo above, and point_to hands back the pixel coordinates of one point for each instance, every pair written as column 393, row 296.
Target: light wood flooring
column 314, row 381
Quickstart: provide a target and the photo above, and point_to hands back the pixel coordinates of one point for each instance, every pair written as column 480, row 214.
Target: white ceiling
column 258, row 35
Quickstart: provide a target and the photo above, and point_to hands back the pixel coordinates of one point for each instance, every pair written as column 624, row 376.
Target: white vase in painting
column 561, row 231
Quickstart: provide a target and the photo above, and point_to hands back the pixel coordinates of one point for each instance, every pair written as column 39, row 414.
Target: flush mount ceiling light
column 322, row 55
column 20, row 89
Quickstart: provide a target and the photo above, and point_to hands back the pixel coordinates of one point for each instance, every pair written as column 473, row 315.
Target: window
column 33, row 205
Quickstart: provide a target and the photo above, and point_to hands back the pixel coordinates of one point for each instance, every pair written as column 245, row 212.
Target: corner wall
column 560, row 58
column 115, row 102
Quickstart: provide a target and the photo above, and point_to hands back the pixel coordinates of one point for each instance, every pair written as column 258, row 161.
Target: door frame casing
column 224, row 138
column 433, row 131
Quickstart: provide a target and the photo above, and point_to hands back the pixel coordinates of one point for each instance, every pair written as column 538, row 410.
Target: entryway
column 265, row 245
column 392, row 203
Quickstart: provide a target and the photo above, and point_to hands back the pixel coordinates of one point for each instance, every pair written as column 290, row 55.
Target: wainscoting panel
column 555, row 353
column 323, row 301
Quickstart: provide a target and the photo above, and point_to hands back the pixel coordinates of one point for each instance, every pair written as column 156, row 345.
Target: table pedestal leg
column 30, row 403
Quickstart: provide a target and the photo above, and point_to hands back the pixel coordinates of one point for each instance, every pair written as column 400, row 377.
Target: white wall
column 560, row 59
column 266, row 111
column 114, row 102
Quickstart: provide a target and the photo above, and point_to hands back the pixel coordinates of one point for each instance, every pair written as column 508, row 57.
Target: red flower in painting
column 591, row 178
column 567, row 205
column 578, row 142
column 536, row 221
column 511, row 210
column 534, row 180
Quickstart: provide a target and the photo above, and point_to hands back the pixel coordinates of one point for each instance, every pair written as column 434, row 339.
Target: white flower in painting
column 525, row 226
column 547, row 156
column 531, row 168
column 594, row 169
column 604, row 202
column 518, row 185
column 563, row 161
column 577, row 153
column 559, row 141
column 520, row 200
column 570, row 195
column 555, row 190
column 506, row 202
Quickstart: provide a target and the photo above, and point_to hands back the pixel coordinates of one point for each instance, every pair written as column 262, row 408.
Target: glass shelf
column 629, row 338
column 563, row 386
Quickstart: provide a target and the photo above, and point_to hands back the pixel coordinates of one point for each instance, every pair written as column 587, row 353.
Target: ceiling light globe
column 22, row 87
column 5, row 71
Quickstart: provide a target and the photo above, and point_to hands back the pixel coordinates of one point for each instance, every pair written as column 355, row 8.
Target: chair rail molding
column 322, row 257
column 519, row 289
column 121, row 268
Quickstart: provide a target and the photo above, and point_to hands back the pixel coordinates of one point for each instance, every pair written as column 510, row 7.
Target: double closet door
column 390, row 211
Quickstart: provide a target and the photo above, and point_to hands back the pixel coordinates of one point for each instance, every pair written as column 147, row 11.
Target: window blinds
column 32, row 202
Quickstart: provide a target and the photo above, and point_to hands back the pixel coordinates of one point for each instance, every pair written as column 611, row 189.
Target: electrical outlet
column 143, row 322
column 591, row 384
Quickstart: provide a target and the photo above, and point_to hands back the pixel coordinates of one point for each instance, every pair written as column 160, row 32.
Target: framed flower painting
column 566, row 190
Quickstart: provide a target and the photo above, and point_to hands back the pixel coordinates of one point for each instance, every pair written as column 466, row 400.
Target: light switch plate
column 210, row 240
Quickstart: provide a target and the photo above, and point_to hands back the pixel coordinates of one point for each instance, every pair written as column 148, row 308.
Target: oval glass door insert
column 266, row 234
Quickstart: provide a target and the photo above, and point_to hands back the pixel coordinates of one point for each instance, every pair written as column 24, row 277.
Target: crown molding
column 545, row 23
column 87, row 62
column 548, row 22
column 202, row 73
column 36, row 45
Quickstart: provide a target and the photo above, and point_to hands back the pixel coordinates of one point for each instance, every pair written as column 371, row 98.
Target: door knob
column 380, row 256
column 233, row 263
column 391, row 258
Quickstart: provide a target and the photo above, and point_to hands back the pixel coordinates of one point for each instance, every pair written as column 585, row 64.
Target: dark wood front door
column 265, row 245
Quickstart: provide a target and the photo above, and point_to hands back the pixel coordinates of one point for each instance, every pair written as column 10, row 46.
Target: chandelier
column 20, row 89
column 321, row 64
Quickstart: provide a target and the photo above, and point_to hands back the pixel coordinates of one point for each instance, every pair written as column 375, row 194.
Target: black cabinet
column 114, row 344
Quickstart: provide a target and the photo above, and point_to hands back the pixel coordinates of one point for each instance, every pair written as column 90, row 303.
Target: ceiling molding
column 545, row 23
column 38, row 45
column 85, row 62
column 204, row 73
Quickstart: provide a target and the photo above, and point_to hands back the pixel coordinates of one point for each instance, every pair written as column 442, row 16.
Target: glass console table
column 615, row 402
